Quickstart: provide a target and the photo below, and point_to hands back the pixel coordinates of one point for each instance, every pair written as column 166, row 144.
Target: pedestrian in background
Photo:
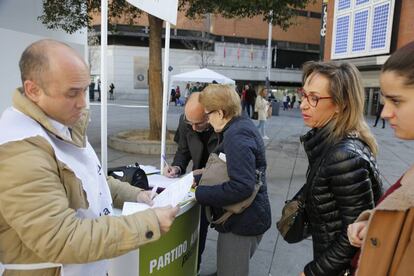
column 249, row 99
column 379, row 110
column 111, row 91
column 178, row 96
column 342, row 178
column 172, row 96
column 243, row 99
column 386, row 233
column 261, row 107
column 187, row 92
column 99, row 90
column 292, row 103
column 285, row 101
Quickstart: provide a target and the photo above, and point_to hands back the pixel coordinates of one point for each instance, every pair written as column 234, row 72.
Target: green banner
column 175, row 254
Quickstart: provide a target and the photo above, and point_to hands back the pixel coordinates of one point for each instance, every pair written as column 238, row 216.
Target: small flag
column 251, row 52
column 238, row 51
column 224, row 51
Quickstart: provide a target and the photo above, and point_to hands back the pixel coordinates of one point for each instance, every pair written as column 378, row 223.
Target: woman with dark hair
column 342, row 179
column 386, row 233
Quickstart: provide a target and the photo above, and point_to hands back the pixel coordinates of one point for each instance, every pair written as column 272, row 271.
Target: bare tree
column 203, row 44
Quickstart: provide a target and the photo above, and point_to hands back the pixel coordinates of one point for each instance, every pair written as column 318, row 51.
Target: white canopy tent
column 202, row 75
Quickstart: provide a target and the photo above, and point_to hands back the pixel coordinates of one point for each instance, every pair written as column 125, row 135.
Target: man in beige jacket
column 55, row 202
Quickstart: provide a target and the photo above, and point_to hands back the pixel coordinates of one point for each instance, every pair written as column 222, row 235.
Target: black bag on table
column 132, row 174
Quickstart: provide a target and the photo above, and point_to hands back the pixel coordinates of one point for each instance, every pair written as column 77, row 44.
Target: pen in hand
column 165, row 161
column 170, row 171
column 154, row 191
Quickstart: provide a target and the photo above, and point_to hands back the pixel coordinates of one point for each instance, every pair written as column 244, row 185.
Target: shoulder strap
column 312, row 173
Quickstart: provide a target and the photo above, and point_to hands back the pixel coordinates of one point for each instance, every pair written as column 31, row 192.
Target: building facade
column 365, row 33
column 236, row 48
column 19, row 27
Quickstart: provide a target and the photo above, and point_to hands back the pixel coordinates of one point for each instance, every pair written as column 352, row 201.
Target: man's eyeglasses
column 312, row 99
column 198, row 124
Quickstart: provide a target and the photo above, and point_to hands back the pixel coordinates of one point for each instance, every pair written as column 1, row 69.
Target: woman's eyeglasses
column 312, row 99
column 210, row 112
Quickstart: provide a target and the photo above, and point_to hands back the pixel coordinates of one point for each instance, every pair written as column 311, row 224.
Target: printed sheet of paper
column 133, row 207
column 160, row 181
column 175, row 193
column 148, row 169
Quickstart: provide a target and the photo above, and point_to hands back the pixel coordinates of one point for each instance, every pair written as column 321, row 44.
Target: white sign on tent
column 164, row 9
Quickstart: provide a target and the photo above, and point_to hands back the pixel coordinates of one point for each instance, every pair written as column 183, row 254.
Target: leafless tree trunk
column 155, row 77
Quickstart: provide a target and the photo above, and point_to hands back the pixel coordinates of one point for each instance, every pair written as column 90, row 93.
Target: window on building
column 317, row 15
column 362, row 28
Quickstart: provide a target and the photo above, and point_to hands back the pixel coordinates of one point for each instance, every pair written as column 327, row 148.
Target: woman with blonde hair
column 386, row 233
column 244, row 152
column 261, row 107
column 342, row 178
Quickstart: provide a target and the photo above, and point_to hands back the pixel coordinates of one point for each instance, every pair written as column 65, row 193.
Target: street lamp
column 269, row 58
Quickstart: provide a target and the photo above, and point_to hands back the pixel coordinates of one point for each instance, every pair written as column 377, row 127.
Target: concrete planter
column 135, row 141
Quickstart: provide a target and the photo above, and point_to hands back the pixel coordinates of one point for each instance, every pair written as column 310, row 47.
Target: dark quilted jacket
column 346, row 183
column 245, row 152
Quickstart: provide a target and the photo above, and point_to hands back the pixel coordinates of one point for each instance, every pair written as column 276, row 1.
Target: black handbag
column 294, row 224
column 255, row 115
column 132, row 174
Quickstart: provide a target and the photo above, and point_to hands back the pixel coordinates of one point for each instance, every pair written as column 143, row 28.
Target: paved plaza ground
column 286, row 169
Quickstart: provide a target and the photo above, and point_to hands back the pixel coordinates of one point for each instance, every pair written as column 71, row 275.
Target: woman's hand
column 302, row 274
column 199, row 171
column 357, row 232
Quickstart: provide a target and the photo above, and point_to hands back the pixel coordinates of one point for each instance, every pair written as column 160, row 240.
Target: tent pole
column 165, row 94
column 103, row 79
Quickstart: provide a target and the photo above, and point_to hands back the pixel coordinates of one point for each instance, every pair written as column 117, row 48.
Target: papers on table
column 133, row 207
column 160, row 181
column 176, row 193
column 149, row 169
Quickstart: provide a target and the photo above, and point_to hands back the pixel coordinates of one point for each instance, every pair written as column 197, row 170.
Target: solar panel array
column 344, row 4
column 359, row 2
column 379, row 26
column 360, row 31
column 362, row 27
column 342, row 26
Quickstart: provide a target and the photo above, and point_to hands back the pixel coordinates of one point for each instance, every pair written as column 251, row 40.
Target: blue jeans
column 261, row 127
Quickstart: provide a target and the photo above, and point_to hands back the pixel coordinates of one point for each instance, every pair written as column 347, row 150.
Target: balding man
column 196, row 139
column 55, row 201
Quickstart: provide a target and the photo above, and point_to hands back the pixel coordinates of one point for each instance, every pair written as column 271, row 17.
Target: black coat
column 250, row 96
column 245, row 152
column 192, row 147
column 346, row 183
